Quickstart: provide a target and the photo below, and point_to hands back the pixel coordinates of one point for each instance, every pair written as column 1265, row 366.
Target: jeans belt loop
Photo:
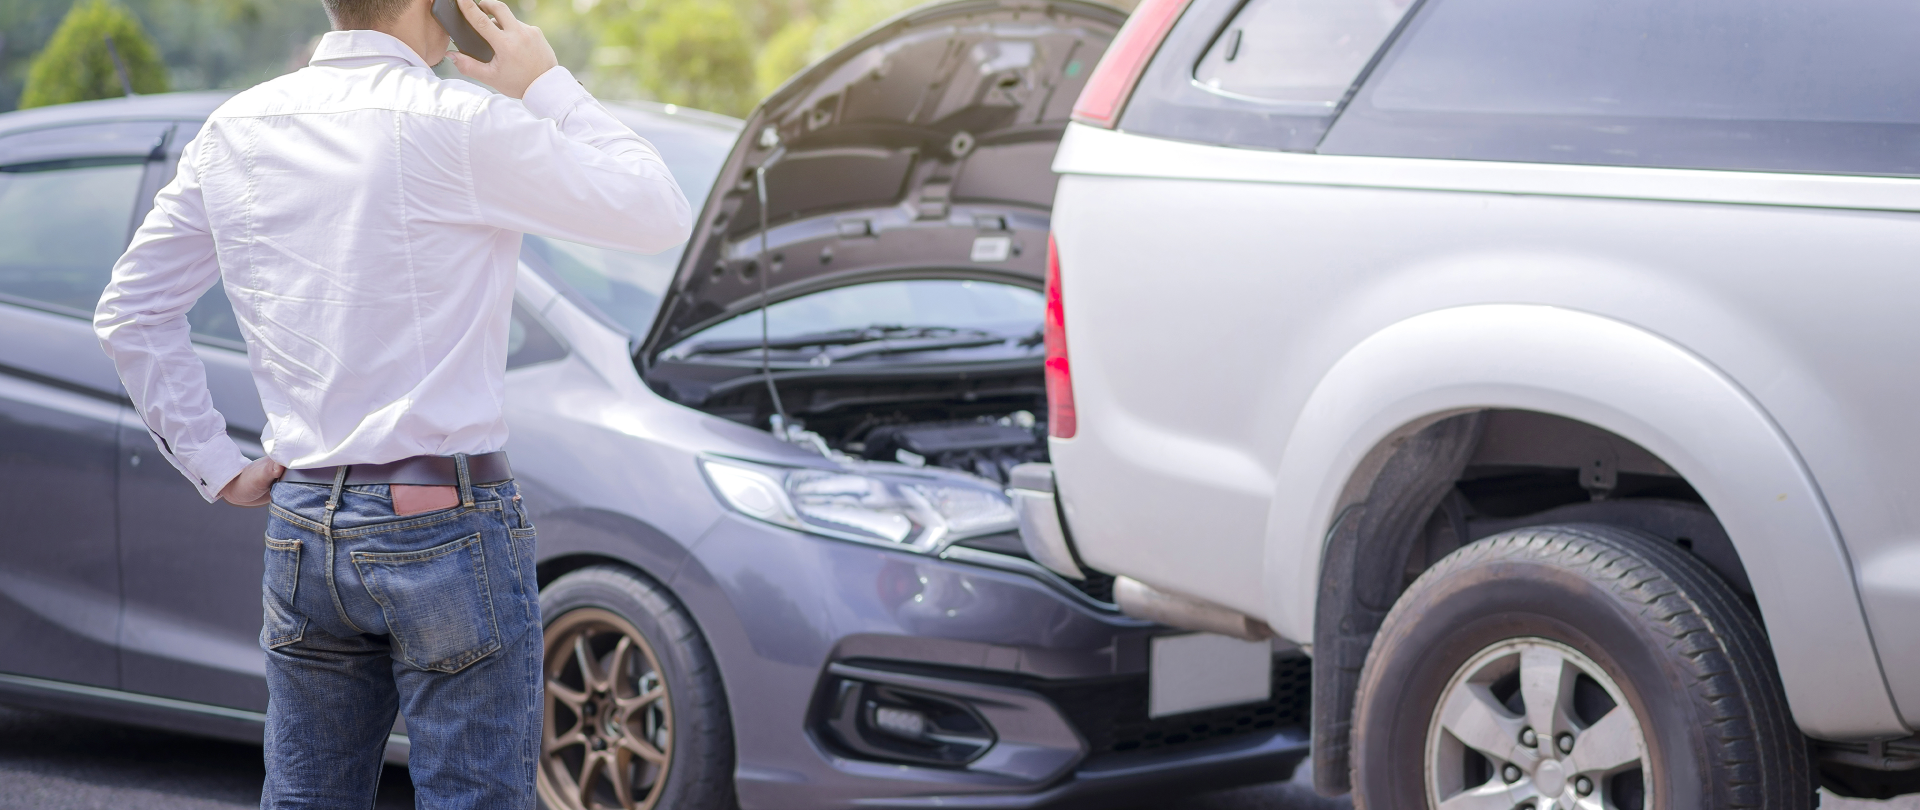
column 333, row 498
column 466, row 479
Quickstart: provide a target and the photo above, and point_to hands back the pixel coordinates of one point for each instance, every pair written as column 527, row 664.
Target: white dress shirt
column 365, row 216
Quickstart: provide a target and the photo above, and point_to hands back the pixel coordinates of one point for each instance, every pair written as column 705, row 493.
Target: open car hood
column 921, row 150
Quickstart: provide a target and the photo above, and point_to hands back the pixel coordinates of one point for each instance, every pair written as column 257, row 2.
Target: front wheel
column 1574, row 668
column 635, row 717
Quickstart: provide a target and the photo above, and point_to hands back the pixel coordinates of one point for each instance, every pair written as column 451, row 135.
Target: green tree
column 76, row 65
column 808, row 37
column 720, row 55
column 790, row 50
column 697, row 53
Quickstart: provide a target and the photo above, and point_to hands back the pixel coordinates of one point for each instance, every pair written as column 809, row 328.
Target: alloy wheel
column 607, row 742
column 1532, row 724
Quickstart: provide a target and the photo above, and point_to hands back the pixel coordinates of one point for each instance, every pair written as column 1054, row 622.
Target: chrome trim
column 397, row 743
column 103, row 693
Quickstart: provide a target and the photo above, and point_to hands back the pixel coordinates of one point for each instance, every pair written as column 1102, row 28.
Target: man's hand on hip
column 254, row 485
column 520, row 52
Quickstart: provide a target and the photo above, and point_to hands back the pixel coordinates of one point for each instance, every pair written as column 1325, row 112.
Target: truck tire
column 1574, row 666
column 635, row 715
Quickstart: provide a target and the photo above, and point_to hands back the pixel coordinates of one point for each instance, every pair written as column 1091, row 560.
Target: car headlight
column 919, row 510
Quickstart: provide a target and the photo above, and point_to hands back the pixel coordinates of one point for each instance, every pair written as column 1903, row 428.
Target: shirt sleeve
column 142, row 323
column 558, row 164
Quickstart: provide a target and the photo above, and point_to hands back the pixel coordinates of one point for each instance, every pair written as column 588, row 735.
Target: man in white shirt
column 365, row 218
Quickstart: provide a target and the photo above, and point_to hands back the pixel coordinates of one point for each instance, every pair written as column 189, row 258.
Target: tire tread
column 1727, row 661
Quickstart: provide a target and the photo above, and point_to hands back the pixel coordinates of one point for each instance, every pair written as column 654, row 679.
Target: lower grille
column 1111, row 713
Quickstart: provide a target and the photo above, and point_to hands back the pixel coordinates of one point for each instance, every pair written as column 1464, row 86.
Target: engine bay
column 988, row 446
column 981, row 419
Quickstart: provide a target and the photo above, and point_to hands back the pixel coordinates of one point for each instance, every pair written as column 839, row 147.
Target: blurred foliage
column 721, row 55
column 77, row 64
column 203, row 43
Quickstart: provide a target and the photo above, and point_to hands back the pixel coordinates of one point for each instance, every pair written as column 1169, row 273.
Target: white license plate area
column 1195, row 671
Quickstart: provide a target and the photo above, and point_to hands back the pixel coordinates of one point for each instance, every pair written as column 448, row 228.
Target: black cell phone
column 465, row 38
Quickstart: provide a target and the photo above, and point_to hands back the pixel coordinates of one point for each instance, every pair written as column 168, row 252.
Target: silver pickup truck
column 1546, row 370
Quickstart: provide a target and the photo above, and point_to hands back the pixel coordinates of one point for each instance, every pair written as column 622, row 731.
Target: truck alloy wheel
column 634, row 715
column 1572, row 742
column 1579, row 667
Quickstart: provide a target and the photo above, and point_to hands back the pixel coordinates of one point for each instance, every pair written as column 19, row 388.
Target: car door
column 190, row 619
column 190, row 570
column 67, row 206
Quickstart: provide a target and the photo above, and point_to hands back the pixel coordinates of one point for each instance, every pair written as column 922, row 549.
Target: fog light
column 890, row 723
column 903, row 723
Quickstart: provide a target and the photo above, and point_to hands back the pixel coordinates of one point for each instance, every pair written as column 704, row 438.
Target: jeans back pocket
column 280, row 624
column 438, row 605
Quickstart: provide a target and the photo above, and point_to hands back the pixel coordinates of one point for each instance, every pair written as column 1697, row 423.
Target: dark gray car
column 836, row 611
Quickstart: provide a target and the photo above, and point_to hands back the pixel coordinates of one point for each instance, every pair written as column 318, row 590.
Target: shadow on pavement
column 1294, row 794
column 57, row 762
column 60, row 762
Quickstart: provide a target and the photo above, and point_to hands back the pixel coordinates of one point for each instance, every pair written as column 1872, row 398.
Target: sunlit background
column 719, row 55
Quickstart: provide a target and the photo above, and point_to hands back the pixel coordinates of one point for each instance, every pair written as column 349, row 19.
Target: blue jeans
column 435, row 616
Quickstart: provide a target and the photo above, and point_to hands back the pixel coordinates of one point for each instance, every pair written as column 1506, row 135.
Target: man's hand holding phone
column 520, row 51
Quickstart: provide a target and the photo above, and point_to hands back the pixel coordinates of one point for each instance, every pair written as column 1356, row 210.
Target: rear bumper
column 1042, row 530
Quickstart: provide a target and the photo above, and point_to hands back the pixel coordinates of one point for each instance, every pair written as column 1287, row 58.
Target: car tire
column 653, row 713
column 1589, row 620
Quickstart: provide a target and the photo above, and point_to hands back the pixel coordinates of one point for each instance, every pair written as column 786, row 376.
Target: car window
column 1779, row 85
column 212, row 317
column 529, row 341
column 1266, row 74
column 1002, row 309
column 62, row 226
column 1301, row 53
column 693, row 153
column 626, row 287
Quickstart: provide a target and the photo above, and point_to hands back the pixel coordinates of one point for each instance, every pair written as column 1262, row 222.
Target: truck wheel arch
column 1403, row 388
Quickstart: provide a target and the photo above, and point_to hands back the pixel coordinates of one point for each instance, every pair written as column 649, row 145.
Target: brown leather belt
column 427, row 471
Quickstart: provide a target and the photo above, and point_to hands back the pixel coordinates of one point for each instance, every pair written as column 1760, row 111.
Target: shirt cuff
column 214, row 466
column 554, row 94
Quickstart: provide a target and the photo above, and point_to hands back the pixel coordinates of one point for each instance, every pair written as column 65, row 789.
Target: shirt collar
column 341, row 46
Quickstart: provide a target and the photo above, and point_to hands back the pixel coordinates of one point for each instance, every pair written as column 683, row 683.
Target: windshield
column 944, row 313
column 627, row 286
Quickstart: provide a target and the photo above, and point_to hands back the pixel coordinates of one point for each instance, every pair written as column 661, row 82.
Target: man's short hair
column 351, row 14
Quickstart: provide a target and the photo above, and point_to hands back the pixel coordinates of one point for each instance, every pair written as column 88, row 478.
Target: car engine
column 987, row 446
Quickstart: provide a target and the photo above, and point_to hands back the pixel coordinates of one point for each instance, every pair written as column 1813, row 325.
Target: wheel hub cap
column 1540, row 690
column 1550, row 777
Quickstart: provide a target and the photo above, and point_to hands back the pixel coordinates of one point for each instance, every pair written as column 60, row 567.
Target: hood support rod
column 780, row 419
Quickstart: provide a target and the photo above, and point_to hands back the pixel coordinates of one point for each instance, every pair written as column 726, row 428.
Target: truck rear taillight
column 1107, row 90
column 1061, row 422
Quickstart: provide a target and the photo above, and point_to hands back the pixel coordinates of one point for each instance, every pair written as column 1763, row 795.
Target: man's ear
column 428, row 35
column 434, row 28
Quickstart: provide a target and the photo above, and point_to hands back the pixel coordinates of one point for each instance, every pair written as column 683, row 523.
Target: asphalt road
column 54, row 762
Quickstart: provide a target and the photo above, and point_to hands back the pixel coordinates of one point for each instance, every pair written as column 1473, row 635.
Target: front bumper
column 1059, row 681
column 1087, row 742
